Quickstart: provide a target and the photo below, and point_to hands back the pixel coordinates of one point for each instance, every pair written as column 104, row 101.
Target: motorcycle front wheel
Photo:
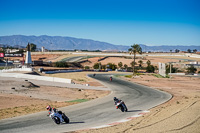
column 56, row 120
column 66, row 119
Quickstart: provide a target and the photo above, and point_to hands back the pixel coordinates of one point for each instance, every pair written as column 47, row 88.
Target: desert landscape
column 180, row 114
column 23, row 97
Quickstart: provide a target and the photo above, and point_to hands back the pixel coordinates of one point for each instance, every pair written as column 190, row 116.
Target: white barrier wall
column 17, row 69
column 36, row 77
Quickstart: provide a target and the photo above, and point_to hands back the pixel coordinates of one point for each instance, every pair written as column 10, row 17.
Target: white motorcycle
column 121, row 105
column 58, row 117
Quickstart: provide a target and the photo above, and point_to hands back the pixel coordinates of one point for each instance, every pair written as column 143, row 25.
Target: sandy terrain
column 180, row 115
column 19, row 98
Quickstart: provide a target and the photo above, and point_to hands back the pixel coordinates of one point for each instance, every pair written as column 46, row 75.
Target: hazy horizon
column 149, row 22
column 100, row 41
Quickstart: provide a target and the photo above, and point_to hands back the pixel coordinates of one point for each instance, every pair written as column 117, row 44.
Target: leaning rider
column 116, row 100
column 51, row 110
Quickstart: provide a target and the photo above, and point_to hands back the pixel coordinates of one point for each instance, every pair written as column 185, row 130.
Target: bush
column 111, row 66
column 96, row 65
column 191, row 69
column 173, row 69
column 128, row 76
column 87, row 67
column 61, row 64
column 158, row 75
column 150, row 69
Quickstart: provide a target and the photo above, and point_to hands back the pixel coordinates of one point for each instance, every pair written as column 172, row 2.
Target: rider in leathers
column 51, row 110
column 116, row 100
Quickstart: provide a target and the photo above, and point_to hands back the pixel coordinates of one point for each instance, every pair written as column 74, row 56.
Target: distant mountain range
column 70, row 43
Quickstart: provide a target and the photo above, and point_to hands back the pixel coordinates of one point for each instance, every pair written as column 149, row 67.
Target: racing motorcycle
column 58, row 116
column 121, row 105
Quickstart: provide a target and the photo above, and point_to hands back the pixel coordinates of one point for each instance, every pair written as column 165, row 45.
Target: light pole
column 170, row 69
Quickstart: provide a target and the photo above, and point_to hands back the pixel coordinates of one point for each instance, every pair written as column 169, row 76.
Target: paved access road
column 93, row 113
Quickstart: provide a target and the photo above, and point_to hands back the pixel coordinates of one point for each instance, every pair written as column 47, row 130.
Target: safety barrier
column 36, row 77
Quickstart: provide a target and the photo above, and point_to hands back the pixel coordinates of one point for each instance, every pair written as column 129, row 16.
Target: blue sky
column 121, row 22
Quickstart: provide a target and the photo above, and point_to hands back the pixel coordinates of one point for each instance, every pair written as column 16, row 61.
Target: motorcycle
column 111, row 79
column 121, row 105
column 58, row 117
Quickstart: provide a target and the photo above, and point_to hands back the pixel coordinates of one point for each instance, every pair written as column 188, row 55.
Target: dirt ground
column 179, row 115
column 19, row 98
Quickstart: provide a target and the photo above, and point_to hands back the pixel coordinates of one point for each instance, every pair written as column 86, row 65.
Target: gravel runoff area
column 20, row 97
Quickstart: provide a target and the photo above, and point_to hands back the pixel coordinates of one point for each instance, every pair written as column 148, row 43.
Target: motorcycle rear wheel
column 121, row 108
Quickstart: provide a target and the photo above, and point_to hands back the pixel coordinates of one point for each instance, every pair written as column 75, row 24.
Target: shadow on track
column 134, row 110
column 75, row 122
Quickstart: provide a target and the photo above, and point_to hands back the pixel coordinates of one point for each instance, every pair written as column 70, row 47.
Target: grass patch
column 78, row 101
column 158, row 75
column 139, row 74
column 128, row 76
column 82, row 80
column 118, row 75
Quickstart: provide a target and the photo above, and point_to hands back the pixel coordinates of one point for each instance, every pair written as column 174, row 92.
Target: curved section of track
column 93, row 113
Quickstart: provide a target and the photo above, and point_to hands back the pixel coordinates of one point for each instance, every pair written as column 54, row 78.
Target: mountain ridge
column 71, row 43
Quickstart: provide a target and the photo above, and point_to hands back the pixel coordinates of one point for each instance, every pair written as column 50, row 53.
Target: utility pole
column 170, row 64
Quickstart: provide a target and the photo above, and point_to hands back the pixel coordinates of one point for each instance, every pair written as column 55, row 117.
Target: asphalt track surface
column 93, row 113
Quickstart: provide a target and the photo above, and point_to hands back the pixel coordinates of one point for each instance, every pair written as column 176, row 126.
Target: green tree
column 148, row 63
column 103, row 67
column 140, row 63
column 87, row 67
column 33, row 47
column 125, row 66
column 133, row 63
column 177, row 51
column 133, row 50
column 61, row 64
column 150, row 68
column 189, row 50
column 97, row 65
column 191, row 69
column 120, row 64
column 195, row 50
column 111, row 66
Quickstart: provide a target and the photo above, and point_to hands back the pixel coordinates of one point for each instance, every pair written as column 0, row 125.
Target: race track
column 93, row 113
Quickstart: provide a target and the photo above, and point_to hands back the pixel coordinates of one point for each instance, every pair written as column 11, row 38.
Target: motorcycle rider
column 116, row 100
column 111, row 78
column 54, row 110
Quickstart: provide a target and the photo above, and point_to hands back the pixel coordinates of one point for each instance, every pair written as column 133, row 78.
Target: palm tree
column 133, row 50
column 120, row 64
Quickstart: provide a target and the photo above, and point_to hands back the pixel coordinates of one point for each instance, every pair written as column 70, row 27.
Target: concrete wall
column 36, row 77
column 17, row 69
